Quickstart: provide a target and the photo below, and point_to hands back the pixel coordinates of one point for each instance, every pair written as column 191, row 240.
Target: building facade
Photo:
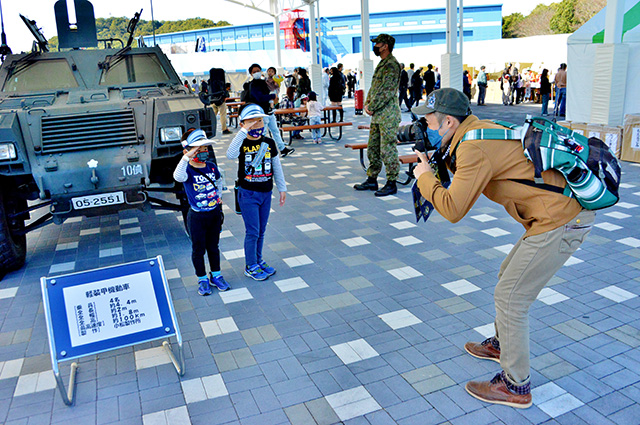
column 342, row 34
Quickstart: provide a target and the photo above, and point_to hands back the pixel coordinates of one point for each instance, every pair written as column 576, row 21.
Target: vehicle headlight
column 7, row 151
column 170, row 134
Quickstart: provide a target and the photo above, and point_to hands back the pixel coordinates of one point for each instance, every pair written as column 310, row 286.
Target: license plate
column 100, row 200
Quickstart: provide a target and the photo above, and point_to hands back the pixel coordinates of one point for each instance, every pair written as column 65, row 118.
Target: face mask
column 257, row 75
column 256, row 132
column 434, row 136
column 201, row 156
column 376, row 50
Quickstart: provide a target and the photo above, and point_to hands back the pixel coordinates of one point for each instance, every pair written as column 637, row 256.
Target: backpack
column 246, row 92
column 217, row 92
column 591, row 169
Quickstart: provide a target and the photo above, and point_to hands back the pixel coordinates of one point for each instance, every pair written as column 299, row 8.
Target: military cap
column 384, row 38
column 446, row 101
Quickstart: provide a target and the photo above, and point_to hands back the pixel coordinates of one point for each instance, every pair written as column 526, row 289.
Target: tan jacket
column 485, row 166
column 560, row 79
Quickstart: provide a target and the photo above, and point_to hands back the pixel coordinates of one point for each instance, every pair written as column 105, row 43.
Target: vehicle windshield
column 140, row 68
column 43, row 75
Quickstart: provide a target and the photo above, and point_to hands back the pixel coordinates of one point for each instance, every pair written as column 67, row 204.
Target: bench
column 326, row 126
column 412, row 160
column 362, row 146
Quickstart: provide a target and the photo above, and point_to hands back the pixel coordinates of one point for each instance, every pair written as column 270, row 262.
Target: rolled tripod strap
column 264, row 146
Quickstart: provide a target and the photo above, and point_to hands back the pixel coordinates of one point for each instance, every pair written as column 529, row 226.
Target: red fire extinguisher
column 359, row 100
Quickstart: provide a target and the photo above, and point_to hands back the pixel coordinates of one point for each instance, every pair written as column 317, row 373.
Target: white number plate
column 101, row 200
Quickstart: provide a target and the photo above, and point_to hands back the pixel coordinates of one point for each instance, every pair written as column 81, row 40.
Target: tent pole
column 613, row 21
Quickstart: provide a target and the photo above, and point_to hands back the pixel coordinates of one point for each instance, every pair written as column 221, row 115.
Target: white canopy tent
column 544, row 51
column 201, row 62
column 583, row 97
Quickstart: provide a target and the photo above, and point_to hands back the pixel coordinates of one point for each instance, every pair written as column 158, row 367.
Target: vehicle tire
column 13, row 245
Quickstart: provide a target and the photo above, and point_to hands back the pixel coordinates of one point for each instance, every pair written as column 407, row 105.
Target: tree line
column 557, row 18
column 117, row 28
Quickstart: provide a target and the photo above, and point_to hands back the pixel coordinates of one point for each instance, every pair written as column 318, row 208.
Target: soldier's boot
column 388, row 189
column 370, row 184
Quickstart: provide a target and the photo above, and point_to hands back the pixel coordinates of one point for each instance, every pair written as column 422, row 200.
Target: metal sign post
column 105, row 309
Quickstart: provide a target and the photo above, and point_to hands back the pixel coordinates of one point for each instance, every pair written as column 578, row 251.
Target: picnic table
column 326, row 124
column 233, row 112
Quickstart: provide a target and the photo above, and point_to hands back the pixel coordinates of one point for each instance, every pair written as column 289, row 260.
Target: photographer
column 555, row 226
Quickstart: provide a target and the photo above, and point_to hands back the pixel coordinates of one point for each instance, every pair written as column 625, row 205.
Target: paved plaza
column 363, row 323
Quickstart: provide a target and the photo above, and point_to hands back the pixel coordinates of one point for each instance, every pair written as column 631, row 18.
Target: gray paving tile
column 279, row 367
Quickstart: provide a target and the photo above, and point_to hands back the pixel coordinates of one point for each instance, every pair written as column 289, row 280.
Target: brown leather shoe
column 496, row 391
column 483, row 350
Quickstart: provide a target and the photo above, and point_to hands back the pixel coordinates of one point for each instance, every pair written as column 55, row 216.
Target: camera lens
column 406, row 133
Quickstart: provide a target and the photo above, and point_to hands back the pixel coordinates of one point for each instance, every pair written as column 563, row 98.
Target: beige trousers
column 222, row 110
column 524, row 273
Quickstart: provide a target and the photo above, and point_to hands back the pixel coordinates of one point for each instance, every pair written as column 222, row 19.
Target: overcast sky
column 19, row 38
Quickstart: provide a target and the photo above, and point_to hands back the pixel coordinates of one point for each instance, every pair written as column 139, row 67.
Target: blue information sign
column 105, row 309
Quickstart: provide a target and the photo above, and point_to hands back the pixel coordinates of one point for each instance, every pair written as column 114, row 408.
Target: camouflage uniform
column 382, row 100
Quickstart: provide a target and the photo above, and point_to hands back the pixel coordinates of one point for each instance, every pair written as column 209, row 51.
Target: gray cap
column 446, row 101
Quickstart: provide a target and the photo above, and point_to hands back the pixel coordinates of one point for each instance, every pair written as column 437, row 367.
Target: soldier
column 382, row 105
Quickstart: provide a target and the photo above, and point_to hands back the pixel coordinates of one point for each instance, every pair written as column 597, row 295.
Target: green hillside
column 556, row 18
column 116, row 28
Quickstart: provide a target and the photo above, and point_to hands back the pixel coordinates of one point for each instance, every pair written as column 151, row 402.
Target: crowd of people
column 516, row 86
column 495, row 168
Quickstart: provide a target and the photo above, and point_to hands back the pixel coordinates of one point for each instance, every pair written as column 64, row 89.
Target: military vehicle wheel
column 13, row 245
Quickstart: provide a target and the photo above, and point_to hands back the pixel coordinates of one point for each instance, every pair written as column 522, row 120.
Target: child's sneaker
column 270, row 271
column 203, row 287
column 219, row 282
column 255, row 272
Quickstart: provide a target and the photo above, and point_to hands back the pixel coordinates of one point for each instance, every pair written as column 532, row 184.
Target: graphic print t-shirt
column 203, row 195
column 260, row 177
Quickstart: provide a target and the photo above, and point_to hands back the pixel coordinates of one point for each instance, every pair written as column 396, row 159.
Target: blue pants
column 316, row 134
column 271, row 123
column 482, row 91
column 255, row 208
column 561, row 101
column 545, row 104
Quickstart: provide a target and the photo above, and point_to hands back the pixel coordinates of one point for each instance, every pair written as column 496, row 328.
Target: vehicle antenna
column 4, row 49
column 153, row 27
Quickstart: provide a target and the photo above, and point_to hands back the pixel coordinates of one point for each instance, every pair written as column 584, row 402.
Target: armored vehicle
column 86, row 130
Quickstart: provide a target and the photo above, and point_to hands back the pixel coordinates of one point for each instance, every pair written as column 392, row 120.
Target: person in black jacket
column 336, row 90
column 304, row 83
column 429, row 79
column 466, row 84
column 416, row 88
column 404, row 85
column 256, row 91
column 545, row 91
column 351, row 83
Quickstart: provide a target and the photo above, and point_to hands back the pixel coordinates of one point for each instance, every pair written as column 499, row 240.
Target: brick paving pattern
column 364, row 322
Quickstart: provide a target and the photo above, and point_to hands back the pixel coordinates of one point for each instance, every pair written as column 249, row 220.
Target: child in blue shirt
column 201, row 179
